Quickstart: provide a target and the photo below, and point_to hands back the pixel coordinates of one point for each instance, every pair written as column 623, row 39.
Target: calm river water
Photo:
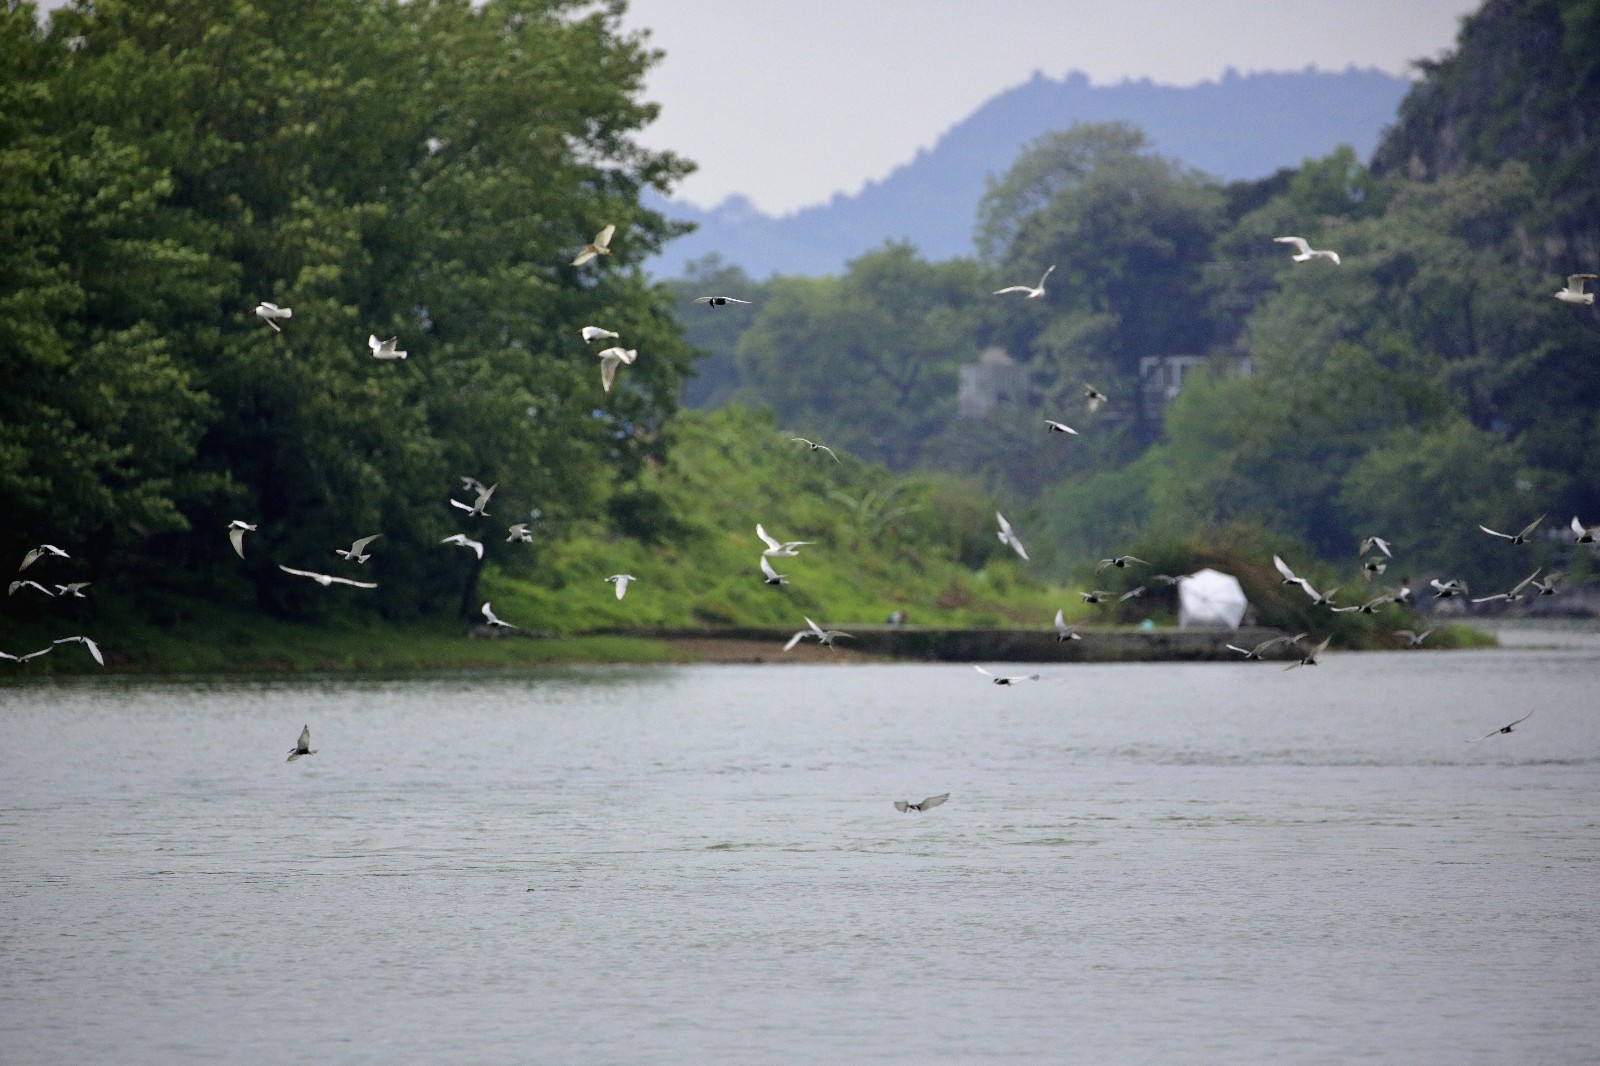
column 1226, row 863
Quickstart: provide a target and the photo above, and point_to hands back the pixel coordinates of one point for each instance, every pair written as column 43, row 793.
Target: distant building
column 1161, row 376
column 994, row 382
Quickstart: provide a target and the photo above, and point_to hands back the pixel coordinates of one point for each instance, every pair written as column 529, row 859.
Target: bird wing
column 360, row 545
column 237, row 536
column 767, row 539
column 1525, row 582
column 347, row 581
column 603, row 238
column 1242, row 651
column 766, row 568
column 802, row 440
column 797, row 638
column 902, row 806
column 818, row 630
column 1131, row 593
column 584, row 256
column 1060, row 427
column 1283, row 568
column 1530, row 527
column 1299, row 242
column 608, row 371
column 825, row 448
column 1575, row 282
column 982, row 671
column 94, row 649
column 933, row 801
column 1013, row 288
column 1492, row 533
column 302, row 573
column 1017, row 544
column 1061, row 621
column 1005, row 527
column 1050, row 270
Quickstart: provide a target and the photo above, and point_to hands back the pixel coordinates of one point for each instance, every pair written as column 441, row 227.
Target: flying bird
column 1064, row 631
column 1372, row 567
column 236, row 531
column 1516, row 538
column 1097, row 596
column 595, row 333
column 1413, row 639
column 1131, row 593
column 1573, row 293
column 1585, row 534
column 35, row 554
column 1515, row 593
column 1052, row 426
column 718, row 301
column 825, row 637
column 778, row 550
column 357, row 551
column 11, row 590
column 814, row 446
column 301, row 746
column 1008, row 536
column 74, row 589
column 327, row 580
column 1304, row 251
column 1496, row 732
column 493, row 619
column 1033, row 291
column 268, row 312
column 1094, row 397
column 1368, row 543
column 1370, row 607
column 1310, row 657
column 1255, row 652
column 479, row 507
column 384, row 349
column 466, row 542
column 1120, row 562
column 610, row 359
column 1444, row 590
column 998, row 680
column 1547, row 587
column 519, row 534
column 1319, row 599
column 601, row 245
column 94, row 649
column 24, row 658
column 770, row 576
column 928, row 804
column 621, row 581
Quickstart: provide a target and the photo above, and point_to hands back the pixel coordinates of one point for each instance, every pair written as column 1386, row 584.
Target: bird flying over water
column 35, row 554
column 1370, row 607
column 1516, row 538
column 718, row 301
column 301, row 746
column 94, row 649
column 814, row 446
column 269, row 312
column 926, row 805
column 1310, row 657
column 1255, row 652
column 384, row 349
column 1573, row 293
column 236, row 531
column 825, row 637
column 621, row 581
column 1304, row 251
column 1515, row 593
column 999, row 680
column 1413, row 639
column 1033, row 291
column 595, row 333
column 327, row 580
column 610, row 359
column 355, row 554
column 1008, row 536
column 779, row 550
column 1497, row 732
column 466, row 542
column 1444, row 590
column 601, row 245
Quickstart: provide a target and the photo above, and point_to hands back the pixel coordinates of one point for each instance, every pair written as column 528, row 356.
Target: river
column 1141, row 863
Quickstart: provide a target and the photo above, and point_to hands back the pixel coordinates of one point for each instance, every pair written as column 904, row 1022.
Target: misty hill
column 1243, row 126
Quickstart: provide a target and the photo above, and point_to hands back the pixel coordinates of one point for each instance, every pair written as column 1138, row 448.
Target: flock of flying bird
column 614, row 357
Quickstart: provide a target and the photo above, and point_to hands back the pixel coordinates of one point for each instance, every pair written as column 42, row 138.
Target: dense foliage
column 423, row 170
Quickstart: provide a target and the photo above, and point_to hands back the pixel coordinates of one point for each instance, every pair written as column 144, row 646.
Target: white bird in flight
column 595, row 333
column 1516, row 538
column 94, row 649
column 1413, row 639
column 621, row 581
column 11, row 590
column 1370, row 607
column 74, row 589
column 1368, row 543
column 236, row 531
column 1095, row 596
column 814, row 446
column 1497, row 732
column 479, row 508
column 1059, row 427
column 357, row 550
column 926, row 805
column 1310, row 657
column 327, row 580
column 268, row 312
column 466, row 542
column 1444, row 590
column 770, row 576
column 718, row 301
column 1573, row 293
column 1516, row 591
column 610, row 359
column 999, row 680
column 301, row 746
column 1064, row 631
column 601, row 245
column 1255, row 652
column 519, row 534
column 1008, row 536
column 384, row 349
column 1120, row 562
column 1585, row 535
column 825, row 637
column 493, row 619
column 1094, row 397
column 24, row 658
column 1304, row 251
column 1033, row 291
column 35, row 554
column 777, row 549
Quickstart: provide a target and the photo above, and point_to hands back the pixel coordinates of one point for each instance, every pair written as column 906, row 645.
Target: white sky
column 791, row 101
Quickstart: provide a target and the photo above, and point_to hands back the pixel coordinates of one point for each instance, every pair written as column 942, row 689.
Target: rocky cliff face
column 1523, row 83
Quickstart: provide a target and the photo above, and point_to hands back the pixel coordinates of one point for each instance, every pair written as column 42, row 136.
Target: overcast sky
column 791, row 101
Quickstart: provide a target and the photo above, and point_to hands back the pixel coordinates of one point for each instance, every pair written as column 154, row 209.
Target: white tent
column 1210, row 598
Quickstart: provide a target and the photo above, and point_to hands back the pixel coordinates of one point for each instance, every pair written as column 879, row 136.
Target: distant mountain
column 1243, row 126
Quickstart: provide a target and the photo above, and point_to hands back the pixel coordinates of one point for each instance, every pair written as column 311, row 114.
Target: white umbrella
column 1210, row 598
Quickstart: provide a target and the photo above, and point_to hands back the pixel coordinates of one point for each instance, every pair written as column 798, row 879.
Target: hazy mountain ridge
column 1241, row 126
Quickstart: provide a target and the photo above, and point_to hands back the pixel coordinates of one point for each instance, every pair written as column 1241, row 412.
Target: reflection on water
column 1145, row 863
